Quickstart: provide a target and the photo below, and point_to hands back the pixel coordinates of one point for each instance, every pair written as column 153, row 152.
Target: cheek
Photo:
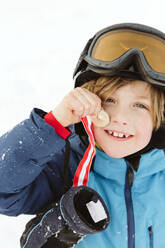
column 110, row 109
column 97, row 132
column 145, row 128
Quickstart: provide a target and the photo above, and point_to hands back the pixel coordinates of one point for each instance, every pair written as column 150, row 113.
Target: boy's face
column 130, row 128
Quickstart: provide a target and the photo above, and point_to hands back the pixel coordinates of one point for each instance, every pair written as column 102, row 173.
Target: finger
column 84, row 101
column 95, row 102
column 75, row 105
column 91, row 102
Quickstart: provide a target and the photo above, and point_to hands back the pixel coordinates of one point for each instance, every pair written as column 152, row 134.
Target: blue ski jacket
column 31, row 173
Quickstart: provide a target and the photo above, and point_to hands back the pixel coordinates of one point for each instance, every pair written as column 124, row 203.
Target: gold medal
column 102, row 119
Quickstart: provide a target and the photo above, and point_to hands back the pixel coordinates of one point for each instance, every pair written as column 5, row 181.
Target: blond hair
column 104, row 86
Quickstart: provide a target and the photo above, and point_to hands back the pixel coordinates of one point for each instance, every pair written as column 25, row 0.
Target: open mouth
column 118, row 135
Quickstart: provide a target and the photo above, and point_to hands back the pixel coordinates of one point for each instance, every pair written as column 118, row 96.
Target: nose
column 119, row 116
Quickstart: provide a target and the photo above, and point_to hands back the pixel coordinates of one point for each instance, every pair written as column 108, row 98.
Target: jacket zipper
column 129, row 206
column 151, row 237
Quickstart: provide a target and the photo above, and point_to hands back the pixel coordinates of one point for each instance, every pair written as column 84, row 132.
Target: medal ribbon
column 82, row 172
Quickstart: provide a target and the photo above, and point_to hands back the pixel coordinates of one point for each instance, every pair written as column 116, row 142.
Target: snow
column 3, row 156
column 39, row 46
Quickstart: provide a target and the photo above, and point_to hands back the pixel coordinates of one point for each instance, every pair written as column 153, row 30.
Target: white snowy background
column 40, row 42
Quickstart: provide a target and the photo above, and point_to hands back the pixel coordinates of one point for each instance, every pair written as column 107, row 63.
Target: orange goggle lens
column 112, row 45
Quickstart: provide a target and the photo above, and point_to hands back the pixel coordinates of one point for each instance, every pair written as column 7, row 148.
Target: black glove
column 80, row 211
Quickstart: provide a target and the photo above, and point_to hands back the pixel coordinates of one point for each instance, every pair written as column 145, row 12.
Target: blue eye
column 109, row 100
column 140, row 105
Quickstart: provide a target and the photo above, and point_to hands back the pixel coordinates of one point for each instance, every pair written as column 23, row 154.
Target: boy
column 117, row 72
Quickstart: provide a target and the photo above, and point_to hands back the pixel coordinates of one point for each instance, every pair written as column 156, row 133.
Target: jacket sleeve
column 25, row 151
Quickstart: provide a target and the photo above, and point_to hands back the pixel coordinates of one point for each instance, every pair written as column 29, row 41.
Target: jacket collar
column 115, row 168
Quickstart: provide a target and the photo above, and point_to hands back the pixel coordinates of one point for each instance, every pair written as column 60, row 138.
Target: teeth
column 121, row 135
column 115, row 134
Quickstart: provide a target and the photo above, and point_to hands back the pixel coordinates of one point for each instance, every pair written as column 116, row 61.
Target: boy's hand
column 77, row 104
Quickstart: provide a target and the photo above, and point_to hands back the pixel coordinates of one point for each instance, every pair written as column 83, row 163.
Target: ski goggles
column 116, row 48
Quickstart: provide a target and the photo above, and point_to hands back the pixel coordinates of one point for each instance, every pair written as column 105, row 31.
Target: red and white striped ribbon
column 82, row 172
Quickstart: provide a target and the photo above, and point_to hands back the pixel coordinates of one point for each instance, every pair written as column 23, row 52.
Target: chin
column 119, row 154
column 115, row 155
column 122, row 154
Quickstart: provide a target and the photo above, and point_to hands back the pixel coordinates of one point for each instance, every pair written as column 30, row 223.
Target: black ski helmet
column 143, row 59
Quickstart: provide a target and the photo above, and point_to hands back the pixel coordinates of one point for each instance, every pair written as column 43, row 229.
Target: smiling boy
column 131, row 123
column 116, row 75
column 130, row 109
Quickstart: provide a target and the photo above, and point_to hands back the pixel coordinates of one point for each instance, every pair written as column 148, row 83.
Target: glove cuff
column 84, row 210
